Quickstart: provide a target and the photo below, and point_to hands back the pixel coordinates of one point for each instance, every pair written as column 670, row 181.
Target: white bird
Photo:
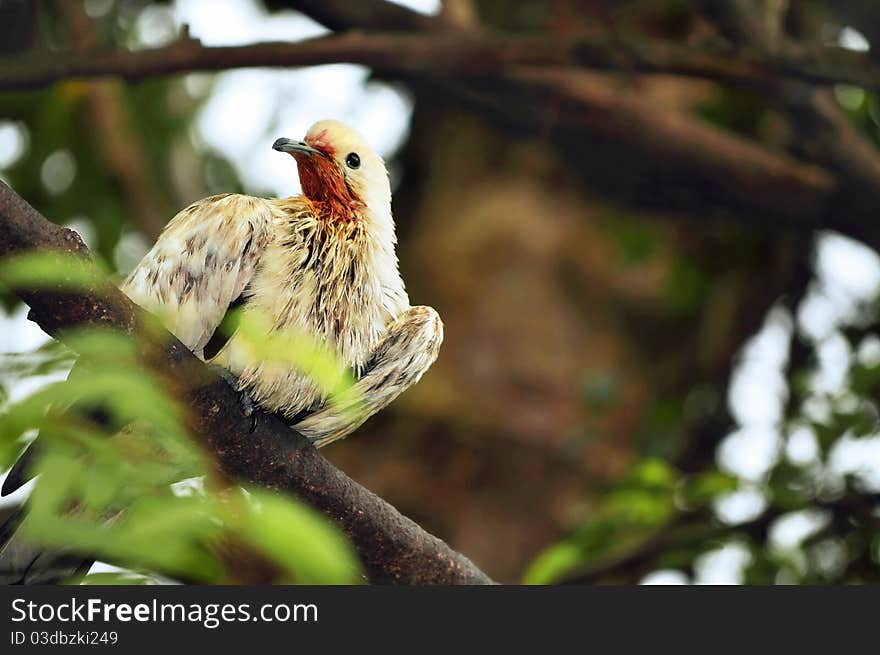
column 322, row 264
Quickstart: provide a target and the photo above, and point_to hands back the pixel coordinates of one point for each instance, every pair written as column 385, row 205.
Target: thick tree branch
column 393, row 548
column 457, row 51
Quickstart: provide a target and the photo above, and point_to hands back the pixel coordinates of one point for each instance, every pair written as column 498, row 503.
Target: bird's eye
column 353, row 160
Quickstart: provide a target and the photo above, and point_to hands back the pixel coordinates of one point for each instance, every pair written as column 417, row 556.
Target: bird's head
column 339, row 172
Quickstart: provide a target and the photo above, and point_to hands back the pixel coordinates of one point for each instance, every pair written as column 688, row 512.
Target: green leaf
column 656, row 474
column 49, row 270
column 552, row 563
column 297, row 538
column 126, row 578
column 704, row 487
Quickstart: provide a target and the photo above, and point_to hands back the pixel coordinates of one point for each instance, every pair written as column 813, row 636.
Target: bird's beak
column 295, row 147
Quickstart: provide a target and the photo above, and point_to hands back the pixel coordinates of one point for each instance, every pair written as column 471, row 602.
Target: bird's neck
column 346, row 286
column 328, row 191
column 366, row 230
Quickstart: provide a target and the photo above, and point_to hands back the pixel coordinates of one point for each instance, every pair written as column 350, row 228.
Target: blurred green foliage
column 659, row 517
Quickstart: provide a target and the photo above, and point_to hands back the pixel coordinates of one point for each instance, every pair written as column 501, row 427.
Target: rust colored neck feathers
column 324, row 184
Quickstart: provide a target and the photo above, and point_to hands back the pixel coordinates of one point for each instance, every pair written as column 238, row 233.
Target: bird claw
column 247, row 404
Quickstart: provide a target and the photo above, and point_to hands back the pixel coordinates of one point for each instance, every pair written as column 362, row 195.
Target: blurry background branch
column 733, row 173
column 392, row 548
column 833, row 141
column 456, row 51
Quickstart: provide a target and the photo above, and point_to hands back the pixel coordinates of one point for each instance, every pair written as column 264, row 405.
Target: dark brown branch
column 393, row 548
column 367, row 14
column 457, row 52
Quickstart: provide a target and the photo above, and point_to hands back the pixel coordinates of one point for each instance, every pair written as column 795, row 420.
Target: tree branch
column 392, row 547
column 458, row 51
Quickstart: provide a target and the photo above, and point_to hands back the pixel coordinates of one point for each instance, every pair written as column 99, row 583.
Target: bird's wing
column 201, row 264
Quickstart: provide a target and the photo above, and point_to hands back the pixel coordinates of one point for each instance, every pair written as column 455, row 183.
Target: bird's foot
column 248, row 406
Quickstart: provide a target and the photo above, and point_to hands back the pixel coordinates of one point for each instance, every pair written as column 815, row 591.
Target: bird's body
column 322, row 264
column 330, row 282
